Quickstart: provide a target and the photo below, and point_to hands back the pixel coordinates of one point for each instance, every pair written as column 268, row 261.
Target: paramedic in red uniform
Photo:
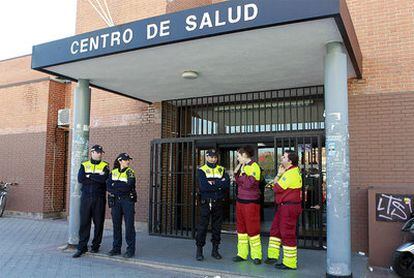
column 287, row 188
column 247, row 176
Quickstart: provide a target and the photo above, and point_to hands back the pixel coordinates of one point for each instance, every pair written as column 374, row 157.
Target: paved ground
column 28, row 248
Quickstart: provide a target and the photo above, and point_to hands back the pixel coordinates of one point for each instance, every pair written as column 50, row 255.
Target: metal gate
column 172, row 191
column 173, row 202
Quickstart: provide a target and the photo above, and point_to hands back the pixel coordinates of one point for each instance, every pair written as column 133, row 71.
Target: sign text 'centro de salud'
column 193, row 22
column 207, row 21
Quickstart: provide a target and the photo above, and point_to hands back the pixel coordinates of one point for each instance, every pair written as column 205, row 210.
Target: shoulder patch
column 131, row 173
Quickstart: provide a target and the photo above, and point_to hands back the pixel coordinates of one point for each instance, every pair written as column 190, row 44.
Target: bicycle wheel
column 3, row 200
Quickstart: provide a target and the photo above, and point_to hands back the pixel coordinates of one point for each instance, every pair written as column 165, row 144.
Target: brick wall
column 123, row 124
column 23, row 112
column 380, row 152
column 179, row 5
column 18, row 70
column 380, row 105
column 55, row 156
column 135, row 140
column 87, row 19
column 385, row 31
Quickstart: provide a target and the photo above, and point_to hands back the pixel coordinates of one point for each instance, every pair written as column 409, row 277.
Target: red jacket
column 292, row 195
column 248, row 183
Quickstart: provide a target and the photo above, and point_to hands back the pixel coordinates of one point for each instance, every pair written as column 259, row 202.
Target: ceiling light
column 189, row 74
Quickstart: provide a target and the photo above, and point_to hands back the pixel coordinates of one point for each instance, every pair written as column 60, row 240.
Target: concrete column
column 79, row 153
column 337, row 168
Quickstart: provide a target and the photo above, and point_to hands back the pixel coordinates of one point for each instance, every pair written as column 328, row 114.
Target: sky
column 24, row 23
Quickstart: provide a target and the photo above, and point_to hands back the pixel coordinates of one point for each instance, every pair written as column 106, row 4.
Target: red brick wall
column 18, row 70
column 179, row 5
column 23, row 110
column 136, row 141
column 380, row 105
column 380, row 152
column 54, row 186
column 123, row 124
column 87, row 19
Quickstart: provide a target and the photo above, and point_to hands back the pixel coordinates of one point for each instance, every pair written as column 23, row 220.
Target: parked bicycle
column 4, row 189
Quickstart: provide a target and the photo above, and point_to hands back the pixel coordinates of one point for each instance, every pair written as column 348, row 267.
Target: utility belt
column 212, row 201
column 132, row 196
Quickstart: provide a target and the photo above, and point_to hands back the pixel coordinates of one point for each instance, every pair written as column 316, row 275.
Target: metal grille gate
column 173, row 188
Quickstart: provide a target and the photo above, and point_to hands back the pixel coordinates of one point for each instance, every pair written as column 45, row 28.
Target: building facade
column 35, row 151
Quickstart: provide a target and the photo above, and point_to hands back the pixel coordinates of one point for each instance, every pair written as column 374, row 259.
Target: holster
column 111, row 201
column 133, row 196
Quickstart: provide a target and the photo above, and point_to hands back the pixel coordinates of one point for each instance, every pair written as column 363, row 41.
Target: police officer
column 92, row 175
column 121, row 199
column 213, row 182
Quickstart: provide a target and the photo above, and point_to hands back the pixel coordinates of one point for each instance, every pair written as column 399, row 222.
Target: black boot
column 215, row 253
column 199, row 255
column 78, row 253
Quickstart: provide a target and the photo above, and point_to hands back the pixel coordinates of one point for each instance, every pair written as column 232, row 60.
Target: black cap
column 97, row 148
column 212, row 153
column 124, row 156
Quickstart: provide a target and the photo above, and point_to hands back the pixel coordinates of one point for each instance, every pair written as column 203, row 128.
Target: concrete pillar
column 337, row 168
column 79, row 153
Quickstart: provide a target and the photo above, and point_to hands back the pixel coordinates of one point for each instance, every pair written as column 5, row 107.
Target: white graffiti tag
column 393, row 208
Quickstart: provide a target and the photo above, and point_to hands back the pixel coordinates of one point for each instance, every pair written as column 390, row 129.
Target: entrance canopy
column 230, row 47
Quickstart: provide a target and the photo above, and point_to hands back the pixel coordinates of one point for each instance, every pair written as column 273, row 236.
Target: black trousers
column 124, row 208
column 215, row 212
column 92, row 208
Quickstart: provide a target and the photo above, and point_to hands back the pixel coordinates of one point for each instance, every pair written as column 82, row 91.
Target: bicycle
column 4, row 188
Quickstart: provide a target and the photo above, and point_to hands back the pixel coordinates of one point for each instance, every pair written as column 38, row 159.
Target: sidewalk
column 39, row 239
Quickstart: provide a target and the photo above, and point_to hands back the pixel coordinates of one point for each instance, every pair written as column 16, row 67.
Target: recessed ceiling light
column 189, row 74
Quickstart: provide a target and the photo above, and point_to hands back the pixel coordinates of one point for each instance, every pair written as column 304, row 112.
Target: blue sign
column 218, row 19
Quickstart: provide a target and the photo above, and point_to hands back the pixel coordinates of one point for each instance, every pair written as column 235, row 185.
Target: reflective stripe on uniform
column 213, row 173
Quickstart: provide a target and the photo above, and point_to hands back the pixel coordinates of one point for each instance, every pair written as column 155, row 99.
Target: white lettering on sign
column 241, row 13
column 208, row 20
column 153, row 30
column 112, row 39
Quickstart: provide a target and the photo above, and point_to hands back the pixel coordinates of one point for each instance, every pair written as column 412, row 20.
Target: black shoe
column 270, row 261
column 257, row 261
column 128, row 255
column 215, row 253
column 114, row 253
column 78, row 253
column 284, row 267
column 238, row 259
column 94, row 250
column 199, row 254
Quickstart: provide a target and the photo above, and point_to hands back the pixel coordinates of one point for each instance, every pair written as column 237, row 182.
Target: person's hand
column 281, row 170
column 87, row 176
column 211, row 182
column 237, row 168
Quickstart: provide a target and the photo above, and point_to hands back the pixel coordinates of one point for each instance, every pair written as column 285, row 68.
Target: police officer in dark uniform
column 213, row 182
column 121, row 199
column 92, row 175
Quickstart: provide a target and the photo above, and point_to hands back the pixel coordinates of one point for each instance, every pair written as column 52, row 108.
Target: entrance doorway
column 174, row 199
